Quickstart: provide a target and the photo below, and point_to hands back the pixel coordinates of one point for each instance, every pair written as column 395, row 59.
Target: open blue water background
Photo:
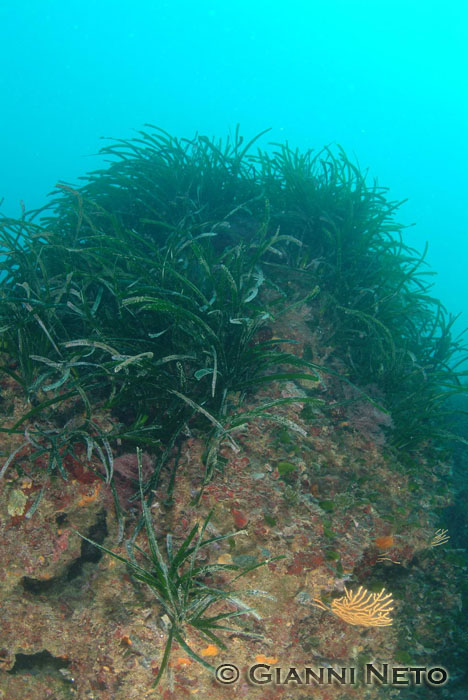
column 386, row 80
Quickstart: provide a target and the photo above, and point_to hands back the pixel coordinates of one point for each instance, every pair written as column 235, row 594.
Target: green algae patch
column 327, row 506
column 16, row 502
column 332, row 555
column 284, row 437
column 285, row 468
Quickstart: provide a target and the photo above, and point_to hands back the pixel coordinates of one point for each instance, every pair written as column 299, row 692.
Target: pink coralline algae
column 61, row 544
column 126, row 466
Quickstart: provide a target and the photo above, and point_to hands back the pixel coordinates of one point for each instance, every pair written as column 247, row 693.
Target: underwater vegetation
column 137, row 310
column 149, row 290
column 181, row 585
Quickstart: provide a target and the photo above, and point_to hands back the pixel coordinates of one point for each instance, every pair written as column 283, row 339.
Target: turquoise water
column 386, row 80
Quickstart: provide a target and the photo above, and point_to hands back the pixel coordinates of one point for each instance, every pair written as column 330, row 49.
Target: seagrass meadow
column 226, row 393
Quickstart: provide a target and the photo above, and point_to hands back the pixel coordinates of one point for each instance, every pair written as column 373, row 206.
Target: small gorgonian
column 362, row 607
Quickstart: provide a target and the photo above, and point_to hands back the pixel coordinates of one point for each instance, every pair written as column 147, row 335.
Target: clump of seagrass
column 180, row 584
column 362, row 607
